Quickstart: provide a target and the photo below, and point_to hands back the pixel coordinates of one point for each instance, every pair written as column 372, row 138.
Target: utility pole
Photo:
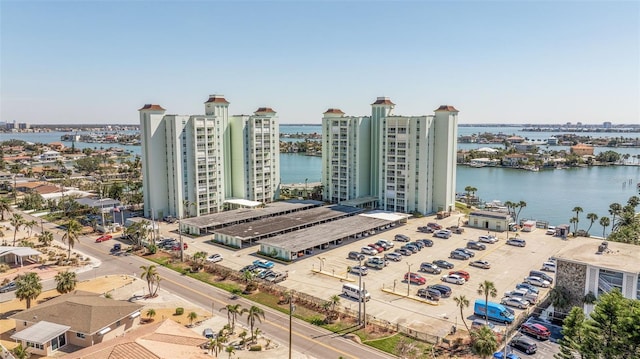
column 181, row 244
column 291, row 309
column 360, row 296
column 364, row 306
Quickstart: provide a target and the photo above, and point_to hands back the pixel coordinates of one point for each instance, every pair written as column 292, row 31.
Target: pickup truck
column 456, row 229
column 277, row 277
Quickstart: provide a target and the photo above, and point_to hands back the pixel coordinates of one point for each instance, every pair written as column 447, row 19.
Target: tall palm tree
column 253, row 313
column 484, row 342
column 16, row 221
column 591, row 217
column 28, row 287
column 66, row 282
column 233, row 310
column 150, row 274
column 574, row 221
column 604, row 222
column 487, row 288
column 71, row 234
column 29, row 225
column 4, row 207
column 633, row 201
column 45, row 238
column 577, row 209
column 520, row 206
column 462, row 302
column 215, row 345
column 615, row 209
column 230, row 350
column 510, row 207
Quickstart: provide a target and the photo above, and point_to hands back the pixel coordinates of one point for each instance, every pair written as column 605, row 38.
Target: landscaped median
column 334, row 275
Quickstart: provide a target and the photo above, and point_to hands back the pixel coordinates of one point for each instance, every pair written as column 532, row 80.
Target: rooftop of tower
column 336, row 111
column 447, row 108
column 216, row 99
column 152, row 107
column 265, row 109
column 383, row 101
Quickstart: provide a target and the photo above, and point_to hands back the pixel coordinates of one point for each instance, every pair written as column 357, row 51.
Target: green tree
column 520, row 205
column 215, row 345
column 573, row 334
column 577, row 217
column 45, row 238
column 560, row 298
column 150, row 274
column 16, row 221
column 484, row 342
column 604, row 222
column 487, row 288
column 66, row 282
column 615, row 209
column 233, row 310
column 603, row 326
column 4, row 207
column 254, row 313
column 138, row 232
column 21, row 352
column 230, row 350
column 28, row 287
column 592, row 217
column 462, row 302
column 192, row 316
column 71, row 234
column 150, row 314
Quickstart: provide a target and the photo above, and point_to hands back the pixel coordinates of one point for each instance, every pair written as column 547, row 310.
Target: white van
column 352, row 291
column 549, row 266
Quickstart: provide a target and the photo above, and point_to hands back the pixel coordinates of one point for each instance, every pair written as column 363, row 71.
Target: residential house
column 582, row 149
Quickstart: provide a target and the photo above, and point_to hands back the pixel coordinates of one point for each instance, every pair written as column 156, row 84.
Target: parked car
column 356, row 255
column 537, row 281
column 466, row 251
column 104, row 237
column 500, row 355
column 376, row 262
column 208, row 333
column 515, row 302
column 385, row 244
column 403, row 251
column 170, row 244
column 535, row 330
column 479, row 323
column 523, row 344
column 425, row 229
column 430, row 268
column 488, row 239
column 434, row 226
column 263, row 263
column 360, row 270
column 426, row 242
column 368, row 250
column 453, row 278
column 410, row 247
column 443, row 233
column 393, row 256
column 9, row 287
column 376, row 247
column 430, row 294
column 445, row 290
column 476, row 245
column 456, row 229
column 529, row 287
column 443, row 264
column 523, row 294
column 250, row 268
column 276, row 277
column 214, row 258
column 415, row 278
column 169, row 219
column 462, row 274
column 480, row 264
column 176, row 246
column 401, row 238
column 459, row 255
column 516, row 242
column 418, row 244
column 549, row 266
column 551, row 231
column 265, row 274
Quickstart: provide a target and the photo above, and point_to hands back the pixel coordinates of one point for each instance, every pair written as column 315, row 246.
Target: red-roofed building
column 447, row 108
column 152, row 107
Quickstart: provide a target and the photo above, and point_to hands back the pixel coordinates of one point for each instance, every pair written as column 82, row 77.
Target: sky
column 538, row 62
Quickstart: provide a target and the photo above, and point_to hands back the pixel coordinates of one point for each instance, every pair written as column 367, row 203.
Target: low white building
column 493, row 221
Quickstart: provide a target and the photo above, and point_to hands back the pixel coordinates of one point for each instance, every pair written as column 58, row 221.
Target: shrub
column 255, row 348
column 179, row 311
column 4, row 267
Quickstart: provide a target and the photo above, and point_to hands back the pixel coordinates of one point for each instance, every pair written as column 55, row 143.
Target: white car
column 537, row 281
column 361, row 270
column 368, row 250
column 480, row 264
column 515, row 302
column 453, row 278
column 214, row 258
column 488, row 239
column 549, row 266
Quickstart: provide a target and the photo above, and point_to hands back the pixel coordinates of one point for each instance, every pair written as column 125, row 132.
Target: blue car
column 263, row 263
column 500, row 355
column 528, row 287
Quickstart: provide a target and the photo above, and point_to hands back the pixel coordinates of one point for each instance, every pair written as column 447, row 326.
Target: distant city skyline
column 497, row 62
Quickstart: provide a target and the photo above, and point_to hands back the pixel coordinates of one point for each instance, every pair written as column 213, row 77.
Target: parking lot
column 509, row 266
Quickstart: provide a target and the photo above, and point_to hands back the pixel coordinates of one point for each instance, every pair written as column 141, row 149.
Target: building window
column 80, row 335
column 609, row 280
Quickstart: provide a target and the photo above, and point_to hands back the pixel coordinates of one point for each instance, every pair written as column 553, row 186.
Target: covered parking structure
column 248, row 233
column 209, row 223
column 292, row 246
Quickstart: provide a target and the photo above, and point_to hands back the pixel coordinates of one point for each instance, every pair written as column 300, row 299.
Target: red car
column 377, row 247
column 434, row 226
column 461, row 273
column 103, row 238
column 176, row 247
column 415, row 278
column 536, row 330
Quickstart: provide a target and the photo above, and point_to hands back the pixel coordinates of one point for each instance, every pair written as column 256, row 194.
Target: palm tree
column 520, row 206
column 604, row 222
column 16, row 221
column 462, row 302
column 230, row 349
column 615, row 209
column 560, row 297
column 487, row 288
column 150, row 314
column 20, row 352
column 45, row 238
column 4, row 207
column 574, row 221
column 484, row 342
column 29, row 225
column 253, row 313
column 66, row 282
column 215, row 345
column 633, row 201
column 150, row 274
column 28, row 287
column 592, row 217
column 233, row 310
column 198, row 259
column 71, row 234
column 510, row 207
column 192, row 316
column 577, row 209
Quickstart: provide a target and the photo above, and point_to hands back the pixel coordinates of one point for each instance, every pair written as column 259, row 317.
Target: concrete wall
column 573, row 277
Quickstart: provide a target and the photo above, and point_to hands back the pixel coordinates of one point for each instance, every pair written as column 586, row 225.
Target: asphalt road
column 307, row 339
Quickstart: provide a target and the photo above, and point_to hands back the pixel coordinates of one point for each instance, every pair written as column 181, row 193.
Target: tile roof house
column 78, row 318
column 166, row 339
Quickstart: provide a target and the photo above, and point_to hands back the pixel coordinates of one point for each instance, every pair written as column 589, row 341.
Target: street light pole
column 291, row 309
column 408, row 279
column 360, row 292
